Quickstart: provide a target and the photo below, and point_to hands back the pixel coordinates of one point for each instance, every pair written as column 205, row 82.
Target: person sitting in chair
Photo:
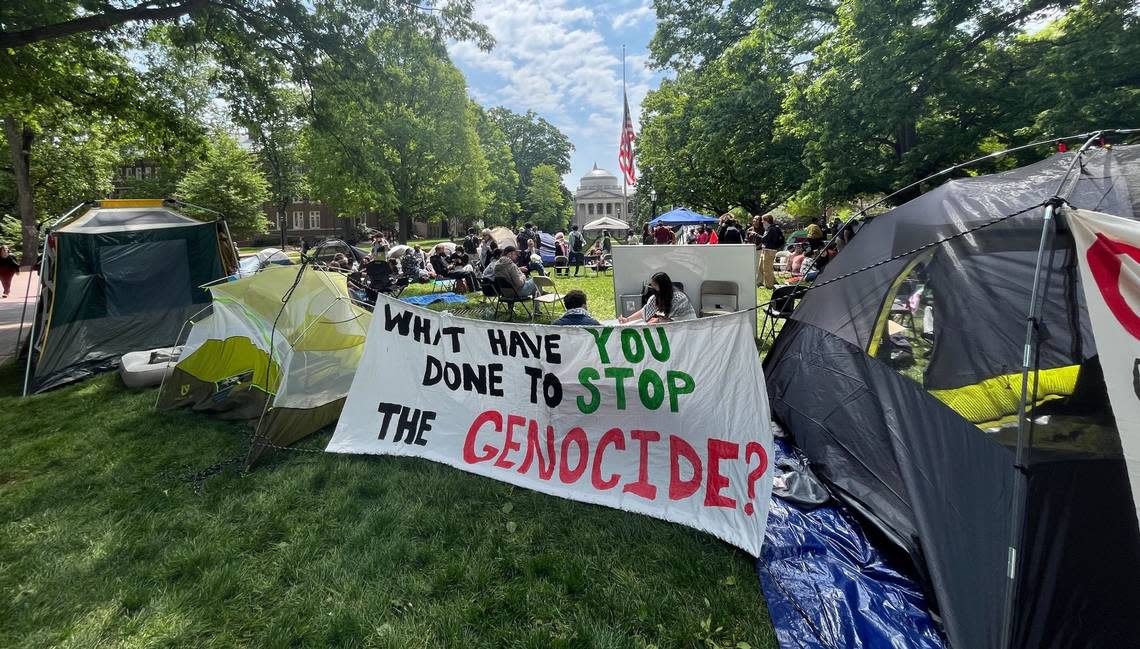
column 666, row 304
column 507, row 267
column 576, row 314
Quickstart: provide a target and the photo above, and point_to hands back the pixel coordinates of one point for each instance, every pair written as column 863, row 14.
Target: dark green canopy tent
column 121, row 276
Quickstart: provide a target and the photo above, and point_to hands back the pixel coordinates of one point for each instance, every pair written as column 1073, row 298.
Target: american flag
column 625, row 150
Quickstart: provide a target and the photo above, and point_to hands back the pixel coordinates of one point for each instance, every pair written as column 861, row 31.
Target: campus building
column 600, row 194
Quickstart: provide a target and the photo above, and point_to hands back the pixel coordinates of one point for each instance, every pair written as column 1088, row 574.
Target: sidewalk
column 10, row 309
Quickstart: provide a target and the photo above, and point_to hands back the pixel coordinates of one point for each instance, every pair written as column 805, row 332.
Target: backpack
column 576, row 241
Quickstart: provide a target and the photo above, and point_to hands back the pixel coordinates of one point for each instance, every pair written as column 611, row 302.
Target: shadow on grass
column 103, row 542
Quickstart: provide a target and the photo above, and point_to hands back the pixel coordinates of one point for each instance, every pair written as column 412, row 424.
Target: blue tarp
column 827, row 586
column 424, row 300
column 682, row 216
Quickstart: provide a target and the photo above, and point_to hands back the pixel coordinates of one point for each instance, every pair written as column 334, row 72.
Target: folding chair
column 547, row 294
column 780, row 264
column 718, row 298
column 780, row 307
column 510, row 297
column 562, row 266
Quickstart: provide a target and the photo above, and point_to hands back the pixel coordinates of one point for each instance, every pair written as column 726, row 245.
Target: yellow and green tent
column 280, row 347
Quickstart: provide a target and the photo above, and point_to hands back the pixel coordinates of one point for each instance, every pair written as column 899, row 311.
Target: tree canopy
column 825, row 100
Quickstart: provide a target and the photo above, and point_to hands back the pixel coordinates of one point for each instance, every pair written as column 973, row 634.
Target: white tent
column 606, row 223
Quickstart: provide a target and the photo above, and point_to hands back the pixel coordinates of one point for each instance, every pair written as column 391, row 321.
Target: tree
column 230, row 181
column 533, row 142
column 875, row 94
column 503, row 178
column 709, row 137
column 395, row 133
column 72, row 52
column 274, row 124
column 544, row 204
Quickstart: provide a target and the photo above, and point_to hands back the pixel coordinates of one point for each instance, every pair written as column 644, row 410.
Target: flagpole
column 624, row 176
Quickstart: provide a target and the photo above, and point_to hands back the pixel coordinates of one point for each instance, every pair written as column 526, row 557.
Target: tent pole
column 1024, row 423
column 1020, row 488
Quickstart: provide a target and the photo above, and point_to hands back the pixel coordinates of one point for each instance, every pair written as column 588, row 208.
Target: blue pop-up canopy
column 682, row 216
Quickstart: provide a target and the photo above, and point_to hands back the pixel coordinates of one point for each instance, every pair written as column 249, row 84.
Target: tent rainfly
column 682, row 216
column 122, row 276
column 606, row 223
column 289, row 363
column 902, row 383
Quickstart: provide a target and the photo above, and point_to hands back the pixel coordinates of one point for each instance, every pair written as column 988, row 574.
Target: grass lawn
column 104, row 542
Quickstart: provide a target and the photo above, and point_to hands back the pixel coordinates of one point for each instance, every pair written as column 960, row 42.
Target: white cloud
column 551, row 57
column 633, row 16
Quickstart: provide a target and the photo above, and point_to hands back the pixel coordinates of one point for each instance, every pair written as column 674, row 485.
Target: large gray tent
column 902, row 384
column 120, row 276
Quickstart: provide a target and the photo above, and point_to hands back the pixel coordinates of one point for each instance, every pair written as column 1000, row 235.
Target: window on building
column 315, row 220
column 591, row 208
column 130, row 172
column 296, row 199
column 273, row 221
column 138, row 172
column 149, row 172
column 609, row 208
column 298, row 220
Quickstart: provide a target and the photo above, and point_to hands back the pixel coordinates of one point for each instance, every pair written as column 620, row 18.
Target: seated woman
column 665, row 305
column 795, row 264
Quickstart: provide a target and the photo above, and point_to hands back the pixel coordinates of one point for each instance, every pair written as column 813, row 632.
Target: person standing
column 471, row 243
column 732, row 233
column 607, row 245
column 524, row 236
column 577, row 246
column 646, row 236
column 9, row 268
column 771, row 242
column 663, row 236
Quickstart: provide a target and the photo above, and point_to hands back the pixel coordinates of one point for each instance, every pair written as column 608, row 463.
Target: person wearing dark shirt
column 771, row 242
column 646, row 236
column 576, row 313
column 9, row 268
column 471, row 242
column 731, row 233
column 607, row 245
column 524, row 236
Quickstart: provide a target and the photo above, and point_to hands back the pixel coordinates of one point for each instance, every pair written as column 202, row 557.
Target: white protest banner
column 1108, row 248
column 668, row 421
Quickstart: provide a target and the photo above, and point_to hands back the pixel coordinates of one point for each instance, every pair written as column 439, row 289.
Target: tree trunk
column 282, row 217
column 20, row 140
column 906, row 137
column 404, row 220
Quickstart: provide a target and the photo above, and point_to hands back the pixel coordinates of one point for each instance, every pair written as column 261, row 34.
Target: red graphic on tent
column 1104, row 257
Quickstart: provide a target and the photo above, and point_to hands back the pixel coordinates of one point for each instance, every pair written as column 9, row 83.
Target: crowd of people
column 478, row 260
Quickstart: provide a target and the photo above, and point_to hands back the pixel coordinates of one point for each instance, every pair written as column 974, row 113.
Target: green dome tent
column 121, row 276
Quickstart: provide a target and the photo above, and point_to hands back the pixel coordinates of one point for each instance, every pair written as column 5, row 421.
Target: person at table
column 507, row 267
column 666, row 304
column 576, row 314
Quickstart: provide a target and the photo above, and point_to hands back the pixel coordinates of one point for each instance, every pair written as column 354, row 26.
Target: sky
column 562, row 59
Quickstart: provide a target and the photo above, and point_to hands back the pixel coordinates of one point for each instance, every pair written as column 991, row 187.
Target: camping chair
column 562, row 266
column 510, row 297
column 442, row 284
column 547, row 294
column 718, row 298
column 488, row 291
column 780, row 307
column 602, row 264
